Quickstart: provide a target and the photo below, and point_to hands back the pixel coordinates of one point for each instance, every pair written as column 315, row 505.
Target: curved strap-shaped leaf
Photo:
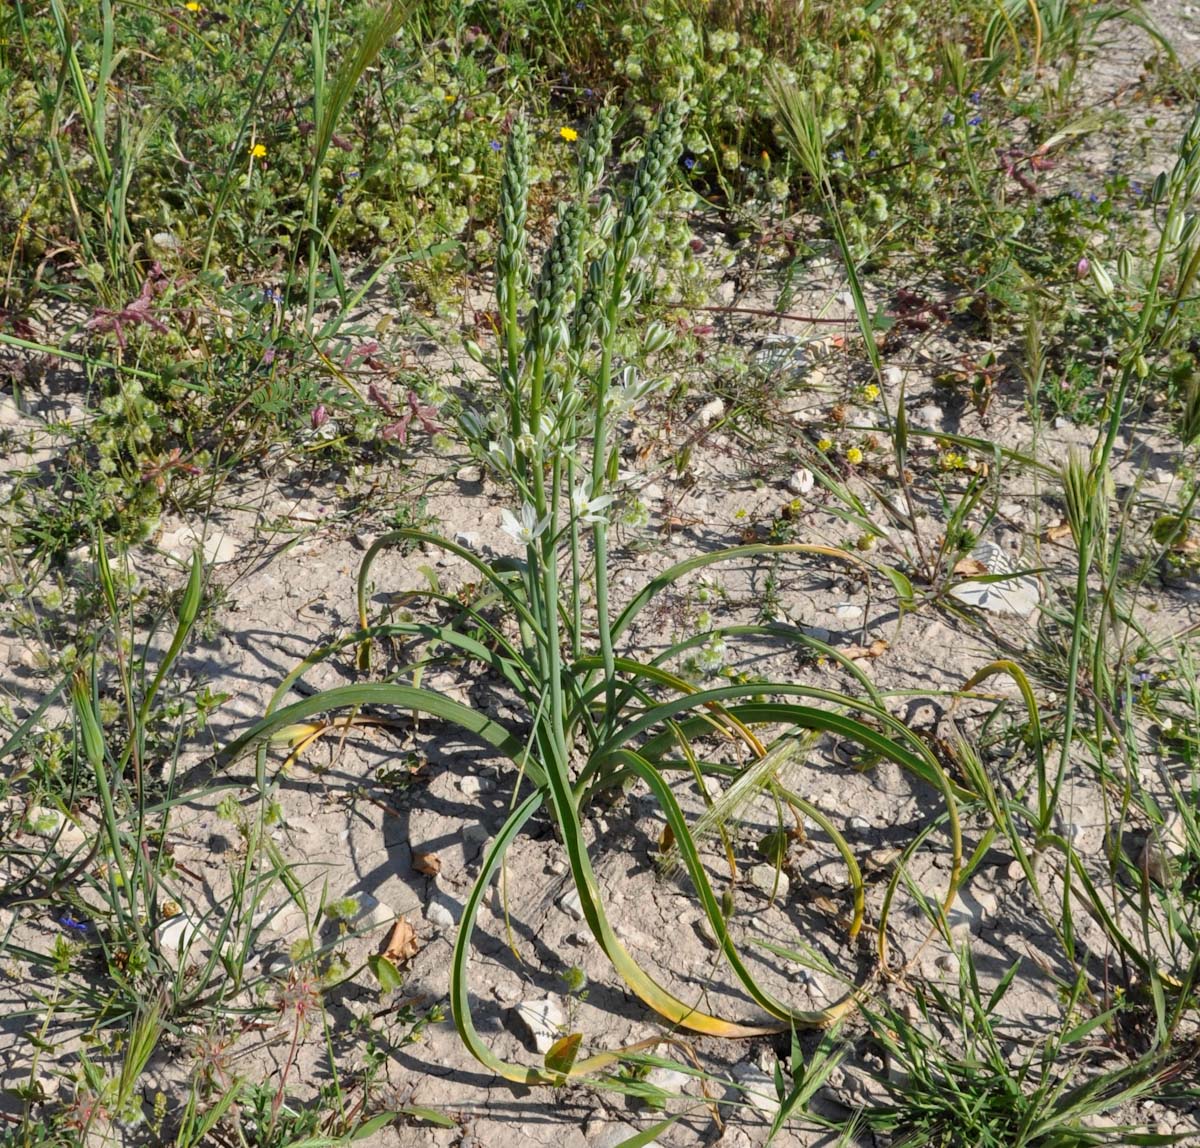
column 773, row 630
column 1004, row 666
column 659, row 583
column 460, row 1000
column 691, row 858
column 840, row 844
column 404, row 697
column 514, row 600
column 510, row 667
column 922, row 762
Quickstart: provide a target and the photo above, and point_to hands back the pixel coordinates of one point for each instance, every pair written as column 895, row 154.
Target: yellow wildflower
column 258, row 151
column 825, row 444
column 569, row 134
column 192, row 6
column 854, row 456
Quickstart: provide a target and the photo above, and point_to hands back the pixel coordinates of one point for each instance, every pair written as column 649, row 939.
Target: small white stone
column 847, row 612
column 651, row 492
column 668, row 1079
column 436, row 913
column 859, row 824
column 801, row 481
column 473, row 785
column 469, row 475
column 372, row 914
column 819, row 632
column 712, row 410
column 177, row 934
column 892, row 376
column 540, row 1020
column 571, row 904
column 759, row 1088
column 763, row 878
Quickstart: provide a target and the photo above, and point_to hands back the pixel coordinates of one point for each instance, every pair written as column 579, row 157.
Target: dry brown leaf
column 876, row 648
column 401, row 943
column 967, row 567
column 1058, row 533
column 428, row 863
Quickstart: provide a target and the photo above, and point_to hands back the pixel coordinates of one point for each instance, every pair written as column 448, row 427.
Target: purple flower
column 319, row 416
column 975, row 121
column 495, row 145
column 69, row 922
column 689, row 162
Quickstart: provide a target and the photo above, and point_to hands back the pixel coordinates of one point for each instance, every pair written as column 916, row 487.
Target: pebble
column 819, row 632
column 372, row 913
column 436, row 913
column 540, row 1021
column 847, row 612
column 473, row 785
column 651, row 492
column 217, row 547
column 668, row 1079
column 177, row 934
column 859, row 824
column 893, row 376
column 929, row 416
column 712, row 410
column 470, row 475
column 763, row 877
column 362, row 540
column 759, row 1088
column 801, row 481
column 571, row 904
column 605, row 1134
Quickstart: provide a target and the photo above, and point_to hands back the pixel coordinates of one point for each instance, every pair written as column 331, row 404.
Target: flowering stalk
column 662, row 150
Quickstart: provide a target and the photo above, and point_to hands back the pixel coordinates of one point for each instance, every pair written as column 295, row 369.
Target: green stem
column 599, row 475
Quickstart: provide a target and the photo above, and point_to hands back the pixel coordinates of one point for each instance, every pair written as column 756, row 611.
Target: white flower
column 586, row 509
column 527, row 527
column 502, row 455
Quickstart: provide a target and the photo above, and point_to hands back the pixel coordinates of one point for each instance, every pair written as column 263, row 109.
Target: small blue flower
column 947, row 119
column 975, row 121
column 69, row 922
column 975, row 97
column 837, row 155
column 1093, row 198
column 689, row 162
